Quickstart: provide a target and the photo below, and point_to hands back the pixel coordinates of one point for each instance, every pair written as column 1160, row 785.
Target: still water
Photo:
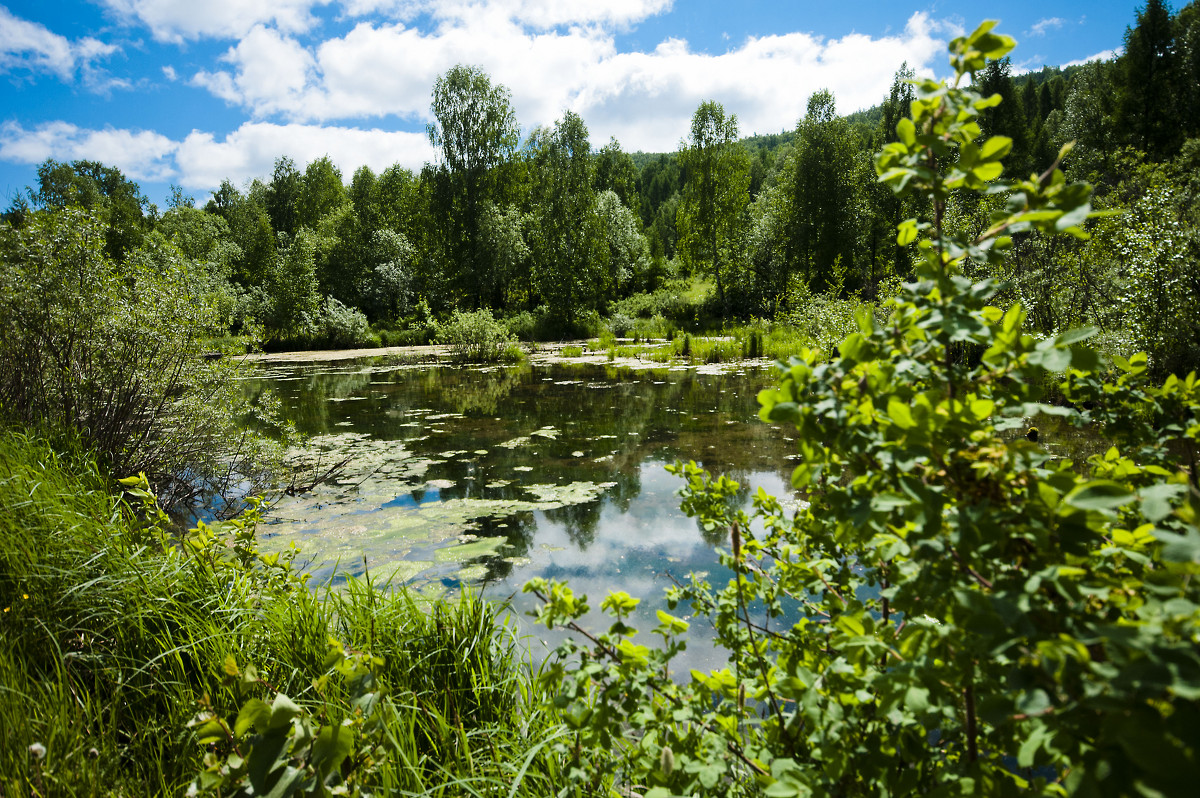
column 487, row 477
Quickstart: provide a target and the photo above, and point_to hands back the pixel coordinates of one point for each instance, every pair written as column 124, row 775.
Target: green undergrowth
column 138, row 662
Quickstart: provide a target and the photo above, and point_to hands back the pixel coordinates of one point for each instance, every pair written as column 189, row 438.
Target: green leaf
column 906, row 131
column 283, row 710
column 850, row 625
column 1099, row 495
column 675, row 625
column 1156, row 500
column 633, row 654
column 1075, row 335
column 995, row 147
column 333, row 744
column 982, row 409
column 1183, row 548
column 900, row 414
column 208, row 730
column 288, row 783
column 254, row 714
column 1033, row 743
column 916, row 698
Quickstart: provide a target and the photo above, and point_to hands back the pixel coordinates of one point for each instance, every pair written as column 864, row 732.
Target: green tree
column 628, row 254
column 292, row 301
column 1148, row 111
column 567, row 238
column 821, row 230
column 282, row 196
column 108, row 355
column 250, row 230
column 475, row 132
column 102, row 189
column 716, row 194
column 1187, row 68
column 321, row 192
column 1089, row 116
column 1007, row 118
column 615, row 172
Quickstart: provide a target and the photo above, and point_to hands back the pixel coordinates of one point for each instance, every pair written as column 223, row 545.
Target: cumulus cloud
column 645, row 99
column 188, row 20
column 272, row 73
column 140, row 154
column 1103, row 55
column 201, row 160
column 26, row 45
column 181, row 20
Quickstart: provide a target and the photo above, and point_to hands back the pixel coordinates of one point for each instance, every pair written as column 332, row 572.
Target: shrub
column 975, row 616
column 620, row 325
column 112, row 354
column 345, row 327
column 523, row 326
column 474, row 337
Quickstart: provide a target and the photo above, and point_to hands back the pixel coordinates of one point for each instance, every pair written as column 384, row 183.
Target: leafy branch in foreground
column 955, row 611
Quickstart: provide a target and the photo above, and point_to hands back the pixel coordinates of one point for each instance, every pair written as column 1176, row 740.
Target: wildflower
column 38, row 750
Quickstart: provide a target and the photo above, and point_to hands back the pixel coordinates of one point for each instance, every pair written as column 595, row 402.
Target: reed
column 111, row 642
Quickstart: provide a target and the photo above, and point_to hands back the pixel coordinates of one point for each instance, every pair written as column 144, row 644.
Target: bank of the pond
column 127, row 660
column 618, row 353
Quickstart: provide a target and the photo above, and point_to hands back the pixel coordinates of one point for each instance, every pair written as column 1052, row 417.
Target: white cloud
column 32, row 46
column 1103, row 55
column 645, row 99
column 180, row 20
column 169, row 73
column 140, row 154
column 1042, row 25
column 272, row 72
column 541, row 14
column 184, row 20
column 203, row 161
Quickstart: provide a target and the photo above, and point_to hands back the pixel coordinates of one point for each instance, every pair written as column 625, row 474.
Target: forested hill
column 560, row 231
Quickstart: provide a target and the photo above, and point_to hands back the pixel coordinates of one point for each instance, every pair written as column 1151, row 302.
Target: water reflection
column 493, row 476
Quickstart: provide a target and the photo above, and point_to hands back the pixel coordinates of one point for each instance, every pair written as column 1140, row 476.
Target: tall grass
column 109, row 646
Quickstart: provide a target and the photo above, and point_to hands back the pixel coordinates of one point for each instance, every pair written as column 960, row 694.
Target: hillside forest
column 554, row 232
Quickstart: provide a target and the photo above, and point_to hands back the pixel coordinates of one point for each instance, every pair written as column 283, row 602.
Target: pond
column 489, row 477
column 486, row 477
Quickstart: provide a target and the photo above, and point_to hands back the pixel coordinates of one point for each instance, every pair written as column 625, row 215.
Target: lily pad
column 464, row 552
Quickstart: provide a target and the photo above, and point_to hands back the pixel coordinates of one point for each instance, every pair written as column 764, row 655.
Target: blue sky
column 190, row 92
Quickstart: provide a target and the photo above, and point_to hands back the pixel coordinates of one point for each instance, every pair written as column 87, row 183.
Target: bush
column 112, row 354
column 620, row 325
column 524, row 326
column 975, row 616
column 346, row 327
column 474, row 337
